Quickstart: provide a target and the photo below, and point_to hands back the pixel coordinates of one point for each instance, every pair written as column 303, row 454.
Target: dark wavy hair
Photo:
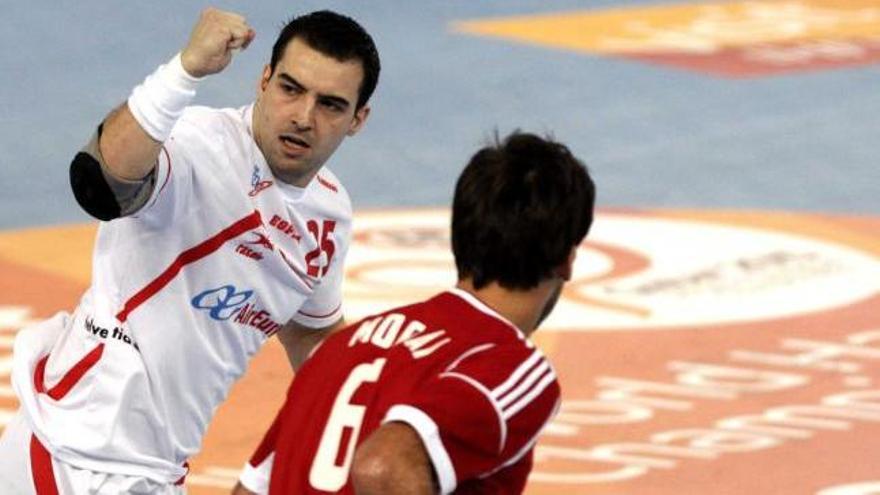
column 336, row 36
column 520, row 206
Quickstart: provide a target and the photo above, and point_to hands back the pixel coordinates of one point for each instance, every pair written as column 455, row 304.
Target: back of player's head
column 337, row 36
column 520, row 206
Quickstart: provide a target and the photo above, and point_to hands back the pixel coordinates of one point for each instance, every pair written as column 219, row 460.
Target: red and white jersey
column 476, row 391
column 183, row 293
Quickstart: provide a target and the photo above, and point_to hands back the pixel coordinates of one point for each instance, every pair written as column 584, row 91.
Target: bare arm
column 240, row 490
column 299, row 340
column 128, row 149
column 393, row 461
column 129, row 152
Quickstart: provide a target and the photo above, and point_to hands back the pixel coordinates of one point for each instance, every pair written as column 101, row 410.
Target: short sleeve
column 324, row 306
column 482, row 414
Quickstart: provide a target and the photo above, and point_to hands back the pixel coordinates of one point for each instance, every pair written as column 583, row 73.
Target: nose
column 303, row 113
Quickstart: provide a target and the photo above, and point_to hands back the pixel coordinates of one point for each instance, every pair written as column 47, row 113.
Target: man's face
column 304, row 109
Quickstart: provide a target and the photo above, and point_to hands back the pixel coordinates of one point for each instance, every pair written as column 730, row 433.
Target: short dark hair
column 520, row 206
column 337, row 36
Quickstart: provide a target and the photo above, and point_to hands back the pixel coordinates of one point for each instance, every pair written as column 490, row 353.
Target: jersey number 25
column 316, row 266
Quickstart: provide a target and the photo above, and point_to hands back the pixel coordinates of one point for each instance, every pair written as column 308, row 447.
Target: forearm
column 239, row 489
column 393, row 461
column 134, row 132
column 398, row 483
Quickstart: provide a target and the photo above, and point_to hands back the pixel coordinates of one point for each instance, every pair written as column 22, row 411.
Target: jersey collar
column 288, row 191
column 483, row 308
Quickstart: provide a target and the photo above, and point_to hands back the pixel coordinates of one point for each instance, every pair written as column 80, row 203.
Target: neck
column 293, row 179
column 523, row 308
column 255, row 109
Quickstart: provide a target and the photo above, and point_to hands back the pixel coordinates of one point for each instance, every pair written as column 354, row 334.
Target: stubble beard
column 550, row 304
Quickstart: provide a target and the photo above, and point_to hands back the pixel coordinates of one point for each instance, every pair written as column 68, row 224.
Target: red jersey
column 471, row 385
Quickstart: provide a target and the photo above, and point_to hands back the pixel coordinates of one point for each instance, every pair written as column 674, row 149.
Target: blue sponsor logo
column 223, row 302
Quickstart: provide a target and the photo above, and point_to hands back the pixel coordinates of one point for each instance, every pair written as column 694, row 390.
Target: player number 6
column 325, row 473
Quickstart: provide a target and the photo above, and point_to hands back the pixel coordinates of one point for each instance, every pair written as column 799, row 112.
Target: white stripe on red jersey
column 468, row 382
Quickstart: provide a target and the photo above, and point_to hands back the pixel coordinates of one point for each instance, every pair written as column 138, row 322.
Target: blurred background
column 735, row 149
column 799, row 132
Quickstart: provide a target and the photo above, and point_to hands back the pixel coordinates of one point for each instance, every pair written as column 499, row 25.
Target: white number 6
column 325, row 473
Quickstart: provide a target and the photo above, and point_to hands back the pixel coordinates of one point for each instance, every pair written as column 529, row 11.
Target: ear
column 565, row 270
column 360, row 117
column 264, row 79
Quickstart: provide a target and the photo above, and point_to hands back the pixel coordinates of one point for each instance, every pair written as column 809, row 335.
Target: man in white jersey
column 221, row 228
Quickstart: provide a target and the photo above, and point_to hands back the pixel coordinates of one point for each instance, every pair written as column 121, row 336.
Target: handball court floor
column 721, row 334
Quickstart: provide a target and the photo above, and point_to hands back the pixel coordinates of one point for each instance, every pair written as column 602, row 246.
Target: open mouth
column 295, row 142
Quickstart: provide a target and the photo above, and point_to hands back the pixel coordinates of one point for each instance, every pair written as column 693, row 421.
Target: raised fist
column 213, row 41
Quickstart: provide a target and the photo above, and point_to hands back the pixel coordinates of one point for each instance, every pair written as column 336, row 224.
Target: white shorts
column 27, row 468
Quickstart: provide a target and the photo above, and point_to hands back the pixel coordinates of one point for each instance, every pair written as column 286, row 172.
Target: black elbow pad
column 90, row 188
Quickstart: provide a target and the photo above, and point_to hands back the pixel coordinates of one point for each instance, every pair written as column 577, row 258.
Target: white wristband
column 256, row 479
column 159, row 101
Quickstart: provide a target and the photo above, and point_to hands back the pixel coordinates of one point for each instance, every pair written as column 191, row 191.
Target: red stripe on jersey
column 41, row 469
column 326, row 183
column 187, row 257
column 182, row 479
column 71, row 378
column 321, row 316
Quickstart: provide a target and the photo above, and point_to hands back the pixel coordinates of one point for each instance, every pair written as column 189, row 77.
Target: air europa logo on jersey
column 223, row 302
column 227, row 302
column 259, row 319
column 257, row 182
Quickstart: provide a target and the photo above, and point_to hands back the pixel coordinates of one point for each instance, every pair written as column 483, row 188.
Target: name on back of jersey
column 393, row 329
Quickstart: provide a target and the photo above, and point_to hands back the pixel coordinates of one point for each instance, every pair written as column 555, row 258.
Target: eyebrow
column 332, row 98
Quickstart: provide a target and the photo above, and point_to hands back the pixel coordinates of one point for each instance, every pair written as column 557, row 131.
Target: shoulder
column 502, row 367
column 327, row 192
column 214, row 116
column 497, row 359
column 519, row 385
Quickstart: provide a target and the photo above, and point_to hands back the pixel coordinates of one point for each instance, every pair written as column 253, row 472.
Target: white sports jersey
column 183, row 293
